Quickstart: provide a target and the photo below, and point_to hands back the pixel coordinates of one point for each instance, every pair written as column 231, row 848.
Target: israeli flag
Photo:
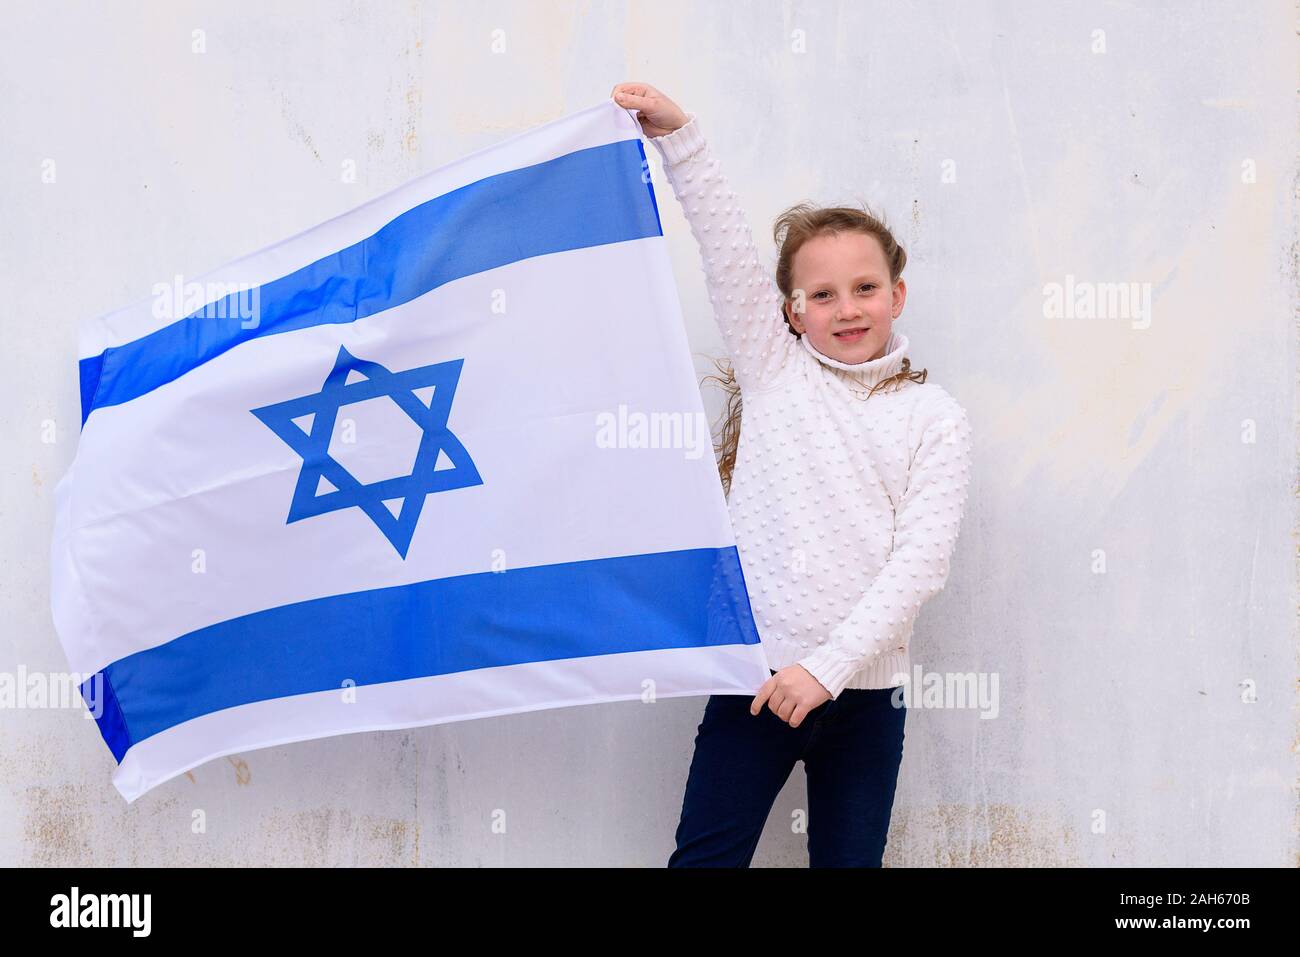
column 439, row 458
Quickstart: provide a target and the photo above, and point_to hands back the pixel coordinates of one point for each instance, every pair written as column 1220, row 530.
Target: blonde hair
column 792, row 229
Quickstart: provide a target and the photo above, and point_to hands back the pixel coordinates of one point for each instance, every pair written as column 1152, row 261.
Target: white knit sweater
column 845, row 510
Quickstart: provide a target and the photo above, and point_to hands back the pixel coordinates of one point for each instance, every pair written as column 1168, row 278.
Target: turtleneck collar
column 873, row 371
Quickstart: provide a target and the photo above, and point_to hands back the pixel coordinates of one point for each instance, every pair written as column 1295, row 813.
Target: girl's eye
column 865, row 285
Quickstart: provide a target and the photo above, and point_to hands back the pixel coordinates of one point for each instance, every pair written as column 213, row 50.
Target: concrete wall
column 1127, row 564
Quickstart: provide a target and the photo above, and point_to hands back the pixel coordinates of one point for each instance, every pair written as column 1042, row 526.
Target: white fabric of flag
column 404, row 468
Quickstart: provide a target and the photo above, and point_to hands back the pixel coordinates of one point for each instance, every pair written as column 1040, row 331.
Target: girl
column 846, row 490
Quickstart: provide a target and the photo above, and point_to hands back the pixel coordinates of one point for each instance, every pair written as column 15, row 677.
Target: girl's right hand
column 657, row 114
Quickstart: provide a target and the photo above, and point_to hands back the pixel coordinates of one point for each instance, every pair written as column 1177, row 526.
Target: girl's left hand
column 791, row 693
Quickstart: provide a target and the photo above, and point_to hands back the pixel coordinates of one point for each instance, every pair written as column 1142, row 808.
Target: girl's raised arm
column 745, row 297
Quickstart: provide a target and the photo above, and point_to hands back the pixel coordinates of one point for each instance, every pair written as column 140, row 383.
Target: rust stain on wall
column 995, row 835
column 58, row 825
column 242, row 774
column 325, row 836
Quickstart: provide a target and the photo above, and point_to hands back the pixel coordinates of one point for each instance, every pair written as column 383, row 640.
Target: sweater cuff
column 681, row 143
column 830, row 669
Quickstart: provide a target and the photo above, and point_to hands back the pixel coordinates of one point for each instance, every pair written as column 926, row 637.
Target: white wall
column 1119, row 692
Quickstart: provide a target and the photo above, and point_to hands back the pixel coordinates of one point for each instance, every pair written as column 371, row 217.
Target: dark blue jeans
column 851, row 749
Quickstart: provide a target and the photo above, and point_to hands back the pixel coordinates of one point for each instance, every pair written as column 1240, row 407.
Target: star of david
column 312, row 443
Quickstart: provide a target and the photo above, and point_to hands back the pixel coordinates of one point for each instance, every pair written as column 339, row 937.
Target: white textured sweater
column 845, row 510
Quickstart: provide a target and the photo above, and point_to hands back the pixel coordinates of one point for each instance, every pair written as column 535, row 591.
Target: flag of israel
column 429, row 461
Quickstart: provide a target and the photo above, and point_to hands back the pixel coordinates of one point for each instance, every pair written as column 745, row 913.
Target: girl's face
column 849, row 305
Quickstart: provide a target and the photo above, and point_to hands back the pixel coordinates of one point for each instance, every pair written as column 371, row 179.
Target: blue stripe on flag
column 111, row 724
column 571, row 202
column 682, row 599
column 645, row 176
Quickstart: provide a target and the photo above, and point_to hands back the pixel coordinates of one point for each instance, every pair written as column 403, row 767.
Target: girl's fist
column 657, row 114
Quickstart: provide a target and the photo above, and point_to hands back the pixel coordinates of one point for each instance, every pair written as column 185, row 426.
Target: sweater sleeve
column 746, row 300
column 926, row 523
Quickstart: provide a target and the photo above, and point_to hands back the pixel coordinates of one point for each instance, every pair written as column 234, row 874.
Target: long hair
column 792, row 229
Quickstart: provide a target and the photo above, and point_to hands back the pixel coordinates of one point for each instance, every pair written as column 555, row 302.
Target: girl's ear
column 900, row 296
column 796, row 320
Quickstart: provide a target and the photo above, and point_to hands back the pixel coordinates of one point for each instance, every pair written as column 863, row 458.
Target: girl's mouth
column 851, row 335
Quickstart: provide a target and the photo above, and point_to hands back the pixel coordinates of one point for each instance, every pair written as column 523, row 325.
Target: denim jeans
column 851, row 749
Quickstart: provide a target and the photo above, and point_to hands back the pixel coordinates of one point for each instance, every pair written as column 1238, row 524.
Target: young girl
column 846, row 492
